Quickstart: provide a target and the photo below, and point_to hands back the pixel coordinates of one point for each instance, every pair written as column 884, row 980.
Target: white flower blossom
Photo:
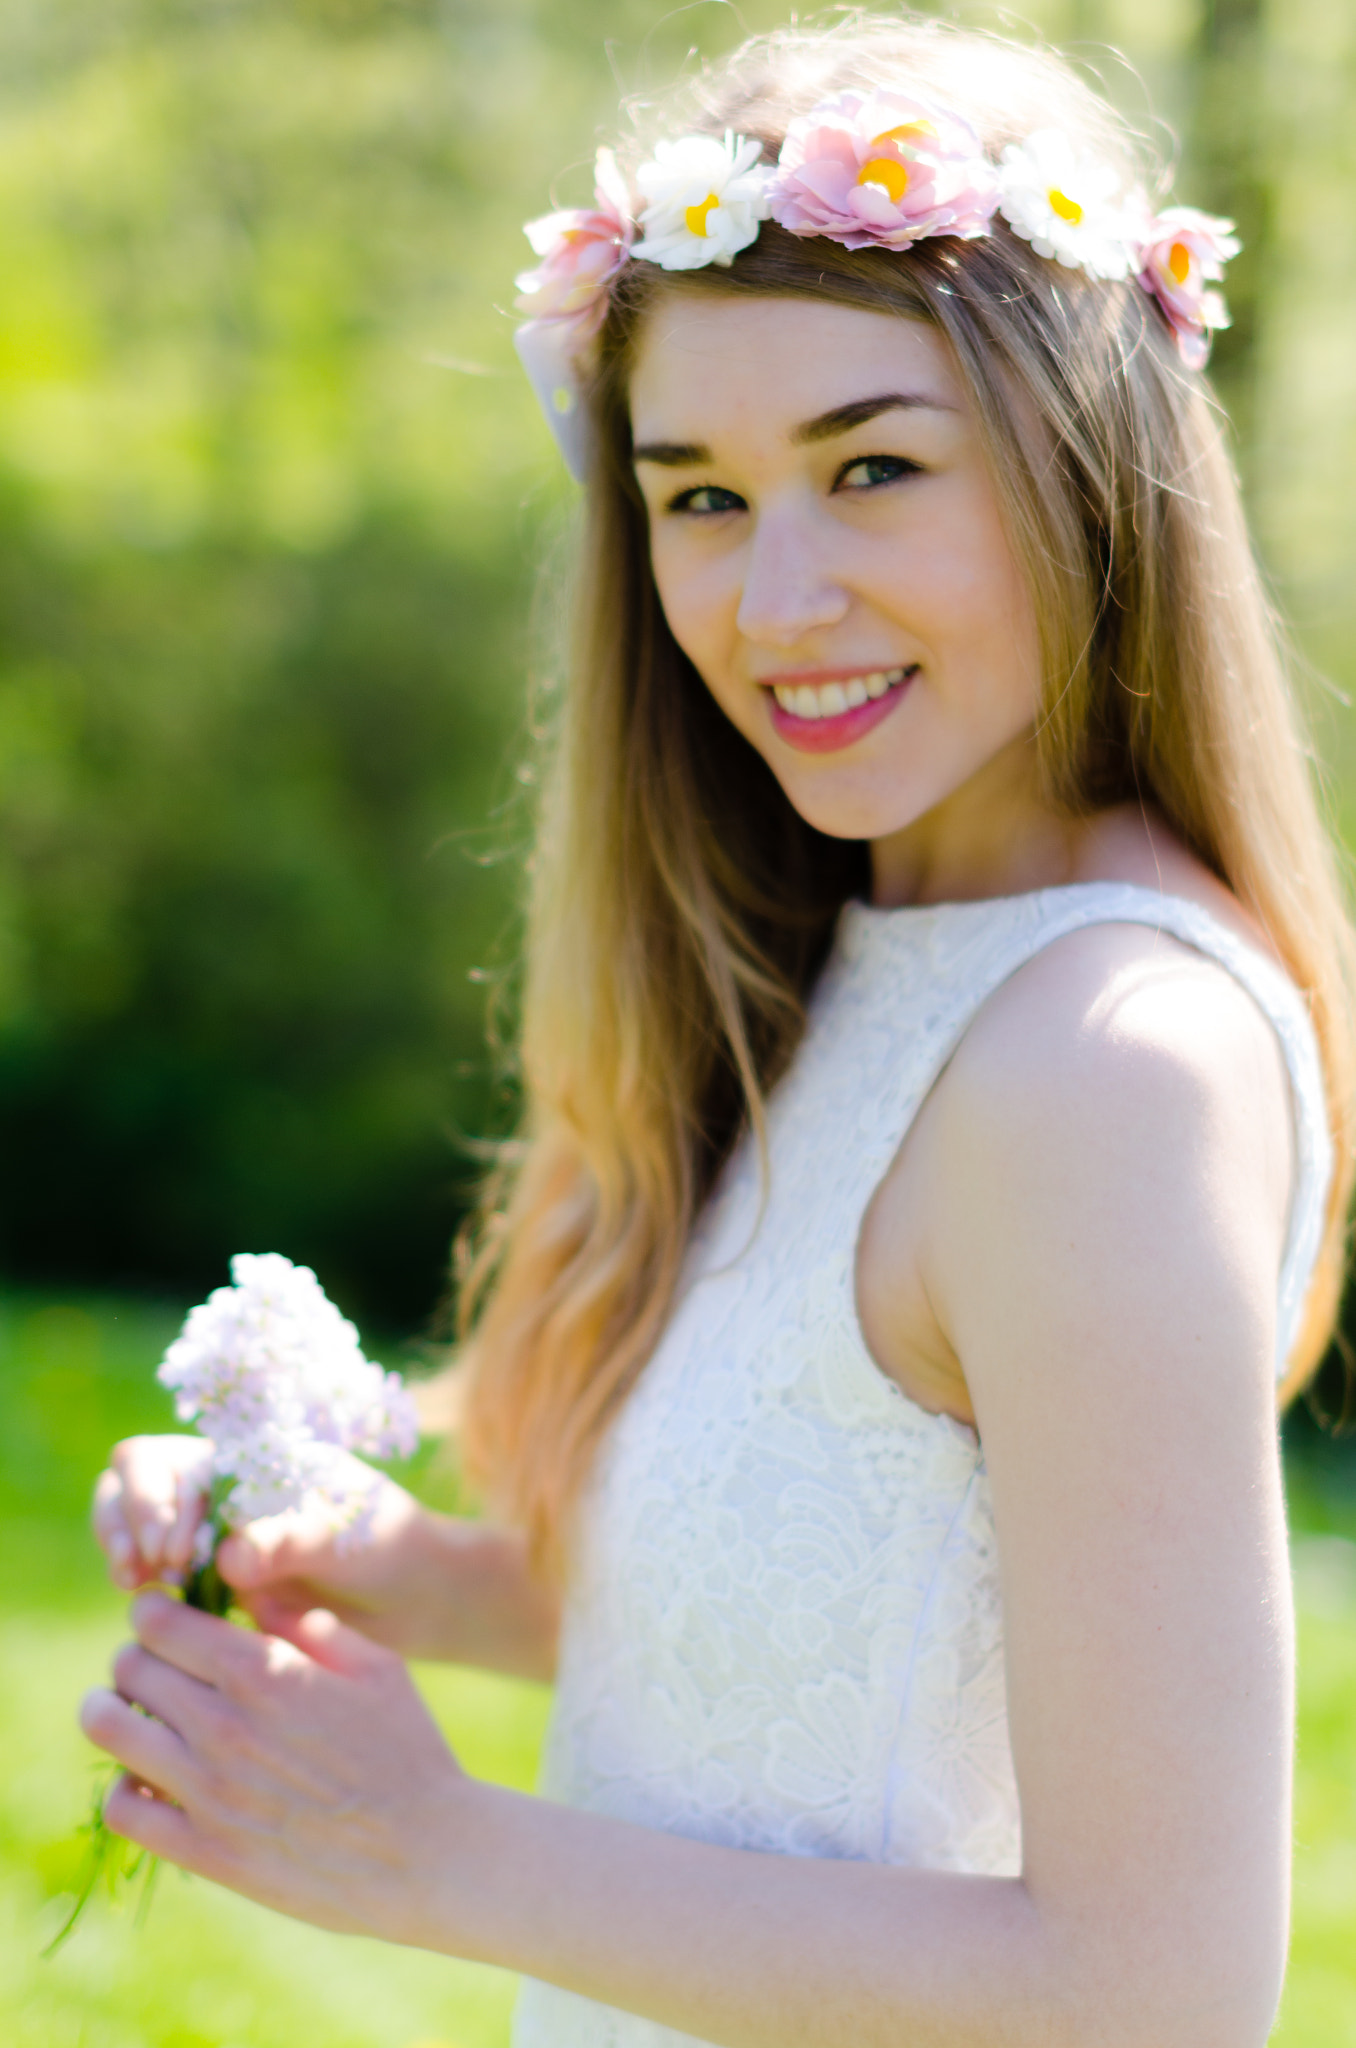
column 705, row 201
column 1067, row 204
column 276, row 1379
column 281, row 1471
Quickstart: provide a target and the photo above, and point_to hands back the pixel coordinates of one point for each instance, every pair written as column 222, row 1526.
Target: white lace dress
column 785, row 1631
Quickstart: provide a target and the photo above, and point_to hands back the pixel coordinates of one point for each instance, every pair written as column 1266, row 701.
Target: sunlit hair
column 681, row 909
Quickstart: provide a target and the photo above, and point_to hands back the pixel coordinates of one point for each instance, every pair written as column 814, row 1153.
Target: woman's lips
column 827, row 735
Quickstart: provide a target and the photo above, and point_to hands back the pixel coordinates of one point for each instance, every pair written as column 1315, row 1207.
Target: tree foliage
column 271, row 499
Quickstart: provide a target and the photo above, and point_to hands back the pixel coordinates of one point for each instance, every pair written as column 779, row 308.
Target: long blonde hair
column 680, row 907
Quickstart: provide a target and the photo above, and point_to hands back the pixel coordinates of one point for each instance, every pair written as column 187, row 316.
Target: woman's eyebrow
column 672, row 454
column 841, row 420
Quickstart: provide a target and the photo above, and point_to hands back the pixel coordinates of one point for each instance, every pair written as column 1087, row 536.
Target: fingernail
column 89, row 1707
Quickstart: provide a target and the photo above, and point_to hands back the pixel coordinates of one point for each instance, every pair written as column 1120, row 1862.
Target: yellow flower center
column 1067, row 209
column 889, row 175
column 908, row 133
column 1179, row 262
column 695, row 216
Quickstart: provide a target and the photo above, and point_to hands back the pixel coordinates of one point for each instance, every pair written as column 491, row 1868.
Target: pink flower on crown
column 1182, row 253
column 582, row 249
column 882, row 169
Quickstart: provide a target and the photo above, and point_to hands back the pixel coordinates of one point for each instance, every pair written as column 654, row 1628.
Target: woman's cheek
column 700, row 601
column 675, row 583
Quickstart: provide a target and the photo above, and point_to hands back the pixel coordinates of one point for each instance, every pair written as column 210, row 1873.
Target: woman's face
column 829, row 551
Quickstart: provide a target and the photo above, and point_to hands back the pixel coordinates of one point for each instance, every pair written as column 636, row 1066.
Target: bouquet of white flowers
column 275, row 1379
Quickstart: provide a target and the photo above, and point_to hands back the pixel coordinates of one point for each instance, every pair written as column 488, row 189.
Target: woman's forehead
column 738, row 361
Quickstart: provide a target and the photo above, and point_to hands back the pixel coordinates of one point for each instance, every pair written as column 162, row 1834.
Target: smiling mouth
column 812, row 701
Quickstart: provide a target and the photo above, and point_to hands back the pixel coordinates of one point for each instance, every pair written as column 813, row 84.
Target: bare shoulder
column 1120, row 1043
column 1112, row 1142
column 1121, row 1020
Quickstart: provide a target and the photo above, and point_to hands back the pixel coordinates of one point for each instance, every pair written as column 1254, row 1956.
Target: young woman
column 940, row 1135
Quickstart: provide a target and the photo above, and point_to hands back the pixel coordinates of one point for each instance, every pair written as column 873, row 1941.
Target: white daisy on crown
column 704, row 201
column 1068, row 205
column 882, row 169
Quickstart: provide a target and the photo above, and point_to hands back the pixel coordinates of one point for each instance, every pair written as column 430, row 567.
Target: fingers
column 140, row 1817
column 149, row 1495
column 112, row 1534
column 237, row 1662
column 145, row 1680
column 304, row 1547
column 142, row 1745
column 193, row 1477
column 230, row 1659
column 327, row 1641
column 278, row 1547
column 275, row 1611
column 148, row 1505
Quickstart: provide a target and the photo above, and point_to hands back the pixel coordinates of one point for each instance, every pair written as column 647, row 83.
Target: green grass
column 207, row 1970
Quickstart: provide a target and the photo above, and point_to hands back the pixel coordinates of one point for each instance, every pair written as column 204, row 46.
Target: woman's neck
column 994, row 836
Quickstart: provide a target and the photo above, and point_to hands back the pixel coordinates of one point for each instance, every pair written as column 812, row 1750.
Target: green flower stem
column 206, row 1589
column 108, row 1858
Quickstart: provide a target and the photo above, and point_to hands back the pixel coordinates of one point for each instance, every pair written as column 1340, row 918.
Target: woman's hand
column 301, row 1769
column 148, row 1505
column 389, row 1578
column 420, row 1583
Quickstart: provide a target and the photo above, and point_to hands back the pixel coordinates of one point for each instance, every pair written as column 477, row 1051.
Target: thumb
column 330, row 1642
column 277, row 1547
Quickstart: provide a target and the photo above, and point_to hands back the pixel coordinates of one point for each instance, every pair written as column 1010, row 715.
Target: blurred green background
column 272, row 495
column 272, row 499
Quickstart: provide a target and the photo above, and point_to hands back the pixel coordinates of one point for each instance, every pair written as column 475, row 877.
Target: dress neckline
column 950, row 905
column 883, row 916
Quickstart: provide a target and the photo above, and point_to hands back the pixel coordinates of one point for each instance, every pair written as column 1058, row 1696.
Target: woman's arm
column 424, row 1584
column 1108, row 1216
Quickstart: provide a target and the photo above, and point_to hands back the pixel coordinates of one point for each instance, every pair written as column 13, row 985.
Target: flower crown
column 870, row 170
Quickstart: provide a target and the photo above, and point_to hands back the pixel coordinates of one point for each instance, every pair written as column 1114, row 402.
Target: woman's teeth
column 831, row 700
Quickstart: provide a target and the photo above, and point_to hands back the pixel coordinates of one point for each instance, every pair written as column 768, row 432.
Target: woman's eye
column 707, row 498
column 869, row 471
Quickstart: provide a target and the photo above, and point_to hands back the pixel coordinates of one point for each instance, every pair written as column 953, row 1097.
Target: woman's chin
column 854, row 813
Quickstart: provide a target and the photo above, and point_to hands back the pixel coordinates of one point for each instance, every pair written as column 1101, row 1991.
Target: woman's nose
column 789, row 587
